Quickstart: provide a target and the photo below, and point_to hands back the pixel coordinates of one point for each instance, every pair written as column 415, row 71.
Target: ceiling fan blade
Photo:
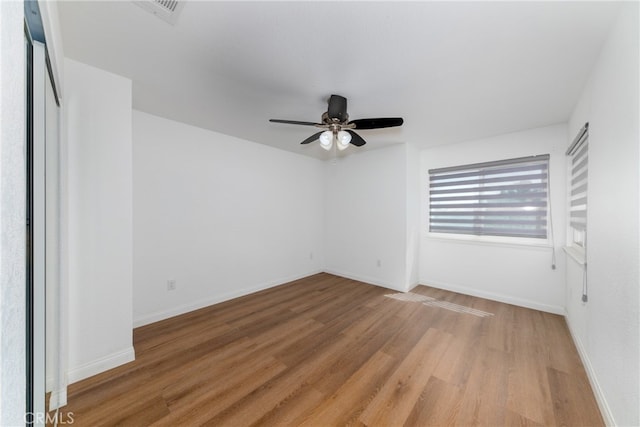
column 312, row 138
column 337, row 108
column 356, row 139
column 385, row 122
column 293, row 122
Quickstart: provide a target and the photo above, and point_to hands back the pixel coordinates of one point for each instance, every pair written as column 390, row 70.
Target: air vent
column 167, row 10
column 169, row 5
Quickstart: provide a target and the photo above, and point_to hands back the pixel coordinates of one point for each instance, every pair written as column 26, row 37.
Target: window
column 578, row 168
column 501, row 198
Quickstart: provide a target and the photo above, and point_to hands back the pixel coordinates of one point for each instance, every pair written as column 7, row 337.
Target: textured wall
column 607, row 327
column 97, row 108
column 365, row 217
column 510, row 271
column 12, row 215
column 221, row 216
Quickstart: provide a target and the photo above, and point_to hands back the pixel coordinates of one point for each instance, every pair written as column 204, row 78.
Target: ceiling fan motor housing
column 338, row 108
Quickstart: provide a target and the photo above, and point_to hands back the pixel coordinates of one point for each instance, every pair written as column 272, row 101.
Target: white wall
column 223, row 217
column 517, row 274
column 413, row 216
column 366, row 218
column 606, row 328
column 12, row 215
column 98, row 119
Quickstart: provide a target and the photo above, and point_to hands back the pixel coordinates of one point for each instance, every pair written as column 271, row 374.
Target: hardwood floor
column 325, row 350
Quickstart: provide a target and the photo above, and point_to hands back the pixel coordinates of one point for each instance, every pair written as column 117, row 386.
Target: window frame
column 576, row 239
column 495, row 166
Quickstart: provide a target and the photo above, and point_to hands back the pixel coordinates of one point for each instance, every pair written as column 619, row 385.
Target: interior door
column 36, row 232
column 42, row 231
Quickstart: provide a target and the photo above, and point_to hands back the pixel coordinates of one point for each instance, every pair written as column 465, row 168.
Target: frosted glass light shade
column 326, row 140
column 344, row 138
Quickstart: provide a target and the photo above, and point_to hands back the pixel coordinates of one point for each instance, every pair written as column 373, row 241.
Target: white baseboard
column 496, row 297
column 365, row 279
column 412, row 285
column 100, row 365
column 58, row 399
column 185, row 308
column 593, row 380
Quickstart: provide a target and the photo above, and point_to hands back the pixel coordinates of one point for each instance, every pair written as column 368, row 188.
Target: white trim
column 102, row 364
column 58, row 399
column 412, row 286
column 51, row 26
column 593, row 379
column 39, row 227
column 576, row 254
column 186, row 308
column 555, row 309
column 507, row 242
column 366, row 279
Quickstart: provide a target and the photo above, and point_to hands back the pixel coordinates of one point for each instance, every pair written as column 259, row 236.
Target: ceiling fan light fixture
column 335, row 119
column 326, row 140
column 344, row 138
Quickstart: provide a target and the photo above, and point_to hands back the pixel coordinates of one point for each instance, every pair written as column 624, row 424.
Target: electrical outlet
column 310, row 255
column 379, row 263
column 171, row 285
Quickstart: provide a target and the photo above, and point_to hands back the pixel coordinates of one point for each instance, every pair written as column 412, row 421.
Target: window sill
column 515, row 242
column 576, row 254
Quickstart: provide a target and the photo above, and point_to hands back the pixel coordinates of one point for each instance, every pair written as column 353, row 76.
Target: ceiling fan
column 338, row 128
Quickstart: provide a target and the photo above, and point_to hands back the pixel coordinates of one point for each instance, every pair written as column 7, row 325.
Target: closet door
column 55, row 355
column 36, row 231
column 43, row 231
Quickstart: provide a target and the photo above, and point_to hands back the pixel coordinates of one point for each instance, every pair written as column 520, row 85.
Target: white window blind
column 500, row 198
column 578, row 151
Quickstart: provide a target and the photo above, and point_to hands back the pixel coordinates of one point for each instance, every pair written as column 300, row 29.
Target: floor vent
column 167, row 10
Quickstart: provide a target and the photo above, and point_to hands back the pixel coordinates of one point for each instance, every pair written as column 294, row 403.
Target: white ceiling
column 453, row 70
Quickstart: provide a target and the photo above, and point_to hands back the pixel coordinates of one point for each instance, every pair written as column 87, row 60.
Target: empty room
column 320, row 213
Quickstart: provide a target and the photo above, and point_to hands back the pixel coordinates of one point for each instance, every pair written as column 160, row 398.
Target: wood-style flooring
column 325, row 351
